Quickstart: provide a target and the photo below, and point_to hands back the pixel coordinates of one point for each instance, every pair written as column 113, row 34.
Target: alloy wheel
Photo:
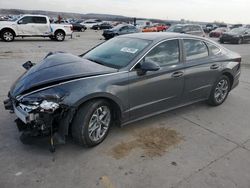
column 8, row 36
column 60, row 36
column 221, row 90
column 99, row 123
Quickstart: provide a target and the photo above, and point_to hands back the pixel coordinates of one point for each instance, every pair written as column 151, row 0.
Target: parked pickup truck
column 33, row 26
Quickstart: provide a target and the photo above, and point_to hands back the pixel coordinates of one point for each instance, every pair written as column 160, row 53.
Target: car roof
column 160, row 36
column 34, row 15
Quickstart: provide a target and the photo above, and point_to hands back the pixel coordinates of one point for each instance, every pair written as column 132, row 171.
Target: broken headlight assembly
column 44, row 101
column 42, row 111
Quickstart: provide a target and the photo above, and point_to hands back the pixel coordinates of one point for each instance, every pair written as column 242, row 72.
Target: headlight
column 44, row 101
column 49, row 106
column 52, row 94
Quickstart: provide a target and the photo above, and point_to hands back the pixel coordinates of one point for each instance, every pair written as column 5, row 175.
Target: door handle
column 177, row 74
column 214, row 66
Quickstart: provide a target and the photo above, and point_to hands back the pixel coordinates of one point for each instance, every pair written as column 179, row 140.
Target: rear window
column 213, row 50
column 195, row 49
column 40, row 20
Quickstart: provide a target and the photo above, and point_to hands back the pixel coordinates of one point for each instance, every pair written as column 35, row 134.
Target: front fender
column 108, row 96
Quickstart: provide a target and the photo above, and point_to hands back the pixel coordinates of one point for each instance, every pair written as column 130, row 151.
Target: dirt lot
column 195, row 146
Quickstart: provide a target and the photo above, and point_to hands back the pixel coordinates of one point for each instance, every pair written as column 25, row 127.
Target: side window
column 165, row 53
column 131, row 27
column 26, row 20
column 214, row 50
column 187, row 29
column 195, row 49
column 196, row 28
column 124, row 28
column 40, row 20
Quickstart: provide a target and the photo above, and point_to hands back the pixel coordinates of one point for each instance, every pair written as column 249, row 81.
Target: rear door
column 157, row 90
column 41, row 25
column 202, row 68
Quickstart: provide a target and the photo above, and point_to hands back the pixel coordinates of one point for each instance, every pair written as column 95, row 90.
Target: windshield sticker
column 129, row 50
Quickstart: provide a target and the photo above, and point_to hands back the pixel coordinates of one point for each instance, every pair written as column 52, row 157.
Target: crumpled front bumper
column 32, row 121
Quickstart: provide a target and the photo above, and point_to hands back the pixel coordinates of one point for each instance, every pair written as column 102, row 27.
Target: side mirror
column 148, row 66
column 245, row 32
column 20, row 22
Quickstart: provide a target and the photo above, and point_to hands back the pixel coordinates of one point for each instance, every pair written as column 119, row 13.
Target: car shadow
column 42, row 145
column 36, row 40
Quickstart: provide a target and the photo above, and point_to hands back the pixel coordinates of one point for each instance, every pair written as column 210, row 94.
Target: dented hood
column 57, row 68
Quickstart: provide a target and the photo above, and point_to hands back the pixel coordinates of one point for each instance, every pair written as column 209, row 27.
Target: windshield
column 118, row 27
column 14, row 18
column 117, row 52
column 237, row 31
column 175, row 28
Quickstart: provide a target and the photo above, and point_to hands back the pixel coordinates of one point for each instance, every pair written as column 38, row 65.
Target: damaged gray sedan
column 120, row 81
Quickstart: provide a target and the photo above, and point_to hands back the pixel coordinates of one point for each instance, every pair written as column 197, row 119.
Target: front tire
column 7, row 35
column 219, row 91
column 59, row 36
column 92, row 123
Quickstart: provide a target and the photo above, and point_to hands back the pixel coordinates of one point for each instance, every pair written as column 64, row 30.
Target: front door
column 156, row 91
column 25, row 26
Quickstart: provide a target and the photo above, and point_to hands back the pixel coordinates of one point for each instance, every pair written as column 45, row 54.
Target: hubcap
column 8, row 36
column 59, row 36
column 99, row 123
column 221, row 91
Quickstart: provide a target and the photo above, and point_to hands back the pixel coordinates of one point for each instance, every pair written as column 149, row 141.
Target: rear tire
column 91, row 123
column 7, row 35
column 219, row 91
column 59, row 36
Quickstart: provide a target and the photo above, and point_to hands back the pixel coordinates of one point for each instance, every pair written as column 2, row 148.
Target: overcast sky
column 230, row 11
